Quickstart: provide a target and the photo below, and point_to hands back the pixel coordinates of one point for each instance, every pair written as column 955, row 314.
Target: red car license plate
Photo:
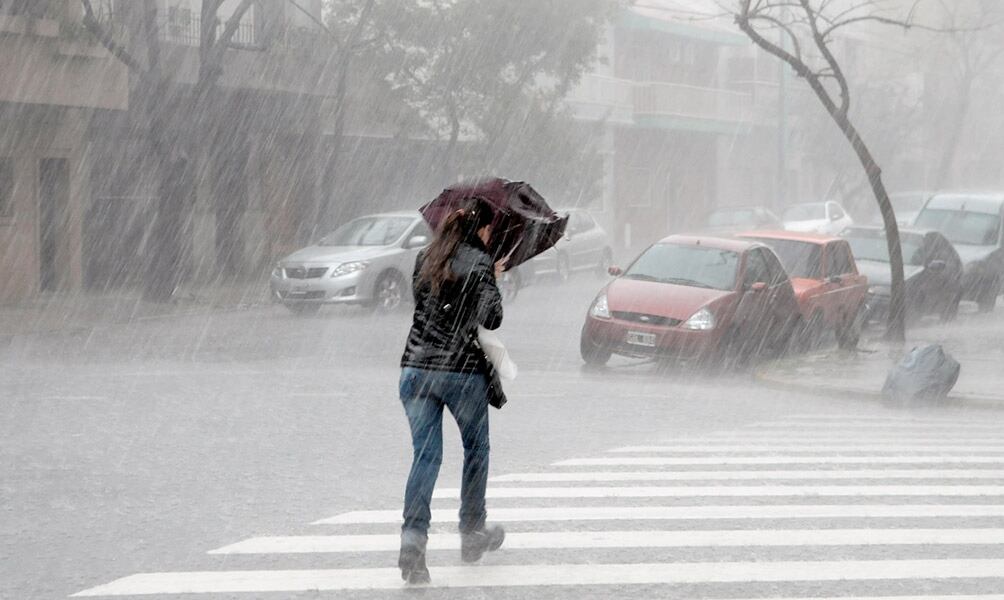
column 640, row 338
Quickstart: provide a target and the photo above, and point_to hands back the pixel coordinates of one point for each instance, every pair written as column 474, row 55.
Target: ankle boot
column 412, row 558
column 474, row 544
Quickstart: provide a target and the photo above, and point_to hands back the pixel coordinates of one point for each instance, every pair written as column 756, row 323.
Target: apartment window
column 6, row 188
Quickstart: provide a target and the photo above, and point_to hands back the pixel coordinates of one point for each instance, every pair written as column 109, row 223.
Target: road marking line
column 775, row 460
column 733, row 491
column 783, row 447
column 309, row 544
column 751, row 475
column 851, row 425
column 690, row 513
column 223, row 582
column 870, row 418
column 763, row 438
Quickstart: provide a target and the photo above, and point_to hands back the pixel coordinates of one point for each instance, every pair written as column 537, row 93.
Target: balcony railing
column 678, row 100
column 631, row 99
column 188, row 32
column 602, row 91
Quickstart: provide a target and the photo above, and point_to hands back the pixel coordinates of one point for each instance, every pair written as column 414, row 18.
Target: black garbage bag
column 925, row 374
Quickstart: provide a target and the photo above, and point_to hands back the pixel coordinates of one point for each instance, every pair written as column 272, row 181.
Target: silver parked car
column 367, row 261
column 586, row 246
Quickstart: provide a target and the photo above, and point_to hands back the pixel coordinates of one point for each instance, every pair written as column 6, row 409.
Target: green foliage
column 486, row 77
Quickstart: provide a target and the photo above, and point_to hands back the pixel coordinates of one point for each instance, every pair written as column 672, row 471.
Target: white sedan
column 828, row 218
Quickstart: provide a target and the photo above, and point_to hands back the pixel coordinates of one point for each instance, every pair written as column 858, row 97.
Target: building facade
column 52, row 80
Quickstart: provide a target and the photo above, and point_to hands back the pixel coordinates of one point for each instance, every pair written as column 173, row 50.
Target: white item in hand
column 496, row 352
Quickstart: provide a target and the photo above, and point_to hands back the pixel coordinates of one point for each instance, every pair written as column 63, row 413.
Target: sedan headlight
column 701, row 320
column 279, row 272
column 600, row 309
column 349, row 267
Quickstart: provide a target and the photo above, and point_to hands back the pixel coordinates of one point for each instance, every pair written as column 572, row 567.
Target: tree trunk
column 896, row 327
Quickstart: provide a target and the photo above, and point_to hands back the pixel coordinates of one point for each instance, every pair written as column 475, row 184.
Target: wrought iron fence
column 182, row 28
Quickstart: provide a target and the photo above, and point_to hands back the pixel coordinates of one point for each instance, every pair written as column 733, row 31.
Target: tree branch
column 105, row 38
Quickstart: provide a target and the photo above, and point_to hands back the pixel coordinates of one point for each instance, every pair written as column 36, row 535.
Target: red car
column 830, row 291
column 693, row 297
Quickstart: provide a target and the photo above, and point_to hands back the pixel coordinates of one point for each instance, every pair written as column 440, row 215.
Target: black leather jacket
column 444, row 329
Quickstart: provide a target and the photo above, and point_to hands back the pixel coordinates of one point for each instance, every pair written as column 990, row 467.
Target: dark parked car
column 585, row 247
column 693, row 297
column 973, row 224
column 906, row 205
column 931, row 267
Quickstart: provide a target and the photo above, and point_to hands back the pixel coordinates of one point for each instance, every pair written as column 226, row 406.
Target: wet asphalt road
column 137, row 448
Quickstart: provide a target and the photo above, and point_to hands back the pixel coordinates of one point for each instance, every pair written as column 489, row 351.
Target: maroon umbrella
column 524, row 224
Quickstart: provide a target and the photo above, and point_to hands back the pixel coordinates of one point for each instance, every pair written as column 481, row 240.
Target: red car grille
column 646, row 319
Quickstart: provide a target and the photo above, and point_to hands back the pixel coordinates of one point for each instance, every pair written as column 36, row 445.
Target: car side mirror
column 758, row 287
column 615, row 271
column 835, row 279
column 416, row 241
column 937, row 266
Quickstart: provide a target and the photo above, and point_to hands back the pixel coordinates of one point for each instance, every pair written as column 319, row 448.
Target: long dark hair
column 461, row 225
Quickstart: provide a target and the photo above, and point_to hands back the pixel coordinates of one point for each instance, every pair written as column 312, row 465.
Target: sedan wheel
column 987, row 299
column 389, row 292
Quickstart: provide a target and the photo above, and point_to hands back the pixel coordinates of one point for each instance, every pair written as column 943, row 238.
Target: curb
column 78, row 327
column 763, row 376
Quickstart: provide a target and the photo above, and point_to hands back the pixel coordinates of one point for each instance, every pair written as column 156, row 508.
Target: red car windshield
column 690, row 265
column 800, row 259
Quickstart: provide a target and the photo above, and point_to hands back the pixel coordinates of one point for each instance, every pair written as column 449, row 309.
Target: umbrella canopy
column 524, row 224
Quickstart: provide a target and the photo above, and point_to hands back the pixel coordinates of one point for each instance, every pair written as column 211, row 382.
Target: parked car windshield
column 689, row 265
column 728, row 218
column 961, row 227
column 368, row 231
column 907, row 202
column 800, row 259
column 805, row 212
column 871, row 245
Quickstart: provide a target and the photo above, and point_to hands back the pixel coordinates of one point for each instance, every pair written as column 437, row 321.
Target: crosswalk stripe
column 542, row 575
column 626, row 539
column 870, row 437
column 689, row 513
column 783, row 447
column 891, row 418
column 749, row 475
column 776, row 459
column 753, row 491
column 889, row 425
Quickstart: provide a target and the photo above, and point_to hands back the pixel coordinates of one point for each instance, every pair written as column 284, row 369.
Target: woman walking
column 455, row 292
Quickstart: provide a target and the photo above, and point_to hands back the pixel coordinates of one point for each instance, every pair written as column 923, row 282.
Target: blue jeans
column 424, row 393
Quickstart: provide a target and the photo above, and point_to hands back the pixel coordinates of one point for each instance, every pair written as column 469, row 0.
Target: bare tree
column 808, row 28
column 972, row 51
column 171, row 141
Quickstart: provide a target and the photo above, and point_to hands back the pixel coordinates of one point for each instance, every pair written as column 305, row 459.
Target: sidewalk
column 974, row 341
column 80, row 311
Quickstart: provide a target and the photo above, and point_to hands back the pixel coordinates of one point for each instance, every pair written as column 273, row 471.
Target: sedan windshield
column 871, row 245
column 800, row 259
column 728, row 218
column 689, row 265
column 961, row 227
column 368, row 231
column 805, row 212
